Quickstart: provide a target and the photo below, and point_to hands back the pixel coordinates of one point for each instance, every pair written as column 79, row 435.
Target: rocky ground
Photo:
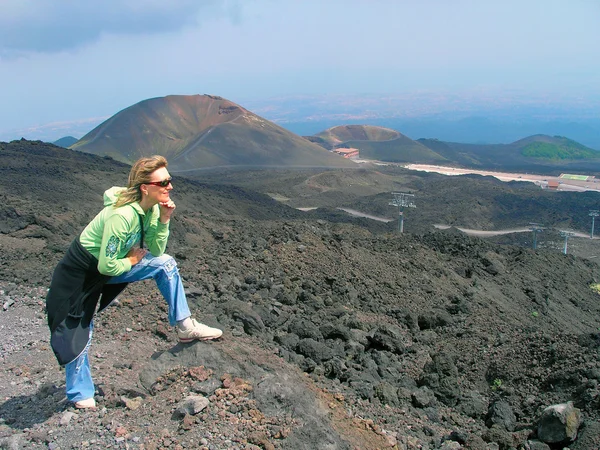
column 335, row 336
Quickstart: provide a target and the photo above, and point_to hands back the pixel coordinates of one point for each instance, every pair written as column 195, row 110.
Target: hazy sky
column 69, row 60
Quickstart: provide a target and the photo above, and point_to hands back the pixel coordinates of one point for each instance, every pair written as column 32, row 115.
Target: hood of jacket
column 111, row 195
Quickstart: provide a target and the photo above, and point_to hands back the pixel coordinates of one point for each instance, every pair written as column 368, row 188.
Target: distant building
column 347, row 152
column 552, row 184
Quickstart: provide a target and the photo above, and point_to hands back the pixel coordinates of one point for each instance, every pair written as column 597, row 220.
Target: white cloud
column 52, row 26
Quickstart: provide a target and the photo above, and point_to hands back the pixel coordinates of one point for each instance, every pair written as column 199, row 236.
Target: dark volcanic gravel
column 335, row 337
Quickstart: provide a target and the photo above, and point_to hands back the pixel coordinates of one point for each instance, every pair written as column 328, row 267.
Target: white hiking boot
column 85, row 404
column 197, row 331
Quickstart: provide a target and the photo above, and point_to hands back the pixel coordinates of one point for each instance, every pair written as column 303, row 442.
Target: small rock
column 12, row 442
column 200, row 373
column 537, row 445
column 66, row 417
column 422, row 397
column 207, row 388
column 450, row 445
column 38, row 436
column 191, row 405
column 392, row 441
column 132, row 403
column 188, row 422
column 8, row 304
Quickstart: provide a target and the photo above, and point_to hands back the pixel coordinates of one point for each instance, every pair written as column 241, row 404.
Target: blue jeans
column 79, row 378
column 163, row 269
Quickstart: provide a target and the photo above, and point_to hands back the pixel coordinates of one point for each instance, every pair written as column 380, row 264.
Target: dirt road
column 484, row 233
column 540, row 180
column 356, row 213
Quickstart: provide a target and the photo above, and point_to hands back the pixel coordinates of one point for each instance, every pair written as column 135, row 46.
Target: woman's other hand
column 135, row 255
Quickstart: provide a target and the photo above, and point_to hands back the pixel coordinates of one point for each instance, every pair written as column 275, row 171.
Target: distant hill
column 198, row 131
column 379, row 143
column 65, row 142
column 554, row 148
column 537, row 152
column 344, row 133
column 472, row 118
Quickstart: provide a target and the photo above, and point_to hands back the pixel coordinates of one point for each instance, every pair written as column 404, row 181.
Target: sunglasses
column 163, row 183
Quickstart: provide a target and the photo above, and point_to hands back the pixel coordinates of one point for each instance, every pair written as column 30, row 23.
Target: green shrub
column 496, row 384
column 566, row 150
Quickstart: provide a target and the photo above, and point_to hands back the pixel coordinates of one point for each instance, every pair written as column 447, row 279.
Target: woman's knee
column 168, row 264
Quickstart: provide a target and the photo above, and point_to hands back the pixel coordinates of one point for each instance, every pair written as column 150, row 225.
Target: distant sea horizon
column 475, row 130
column 471, row 117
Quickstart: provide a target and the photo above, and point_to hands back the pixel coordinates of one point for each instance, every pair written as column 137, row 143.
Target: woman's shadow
column 25, row 411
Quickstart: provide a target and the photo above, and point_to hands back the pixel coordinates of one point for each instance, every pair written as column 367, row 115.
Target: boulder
column 243, row 312
column 422, row 397
column 388, row 338
column 433, row 319
column 387, row 394
column 314, row 350
column 500, row 413
column 441, row 376
column 473, row 404
column 559, row 423
column 305, row 329
column 588, row 436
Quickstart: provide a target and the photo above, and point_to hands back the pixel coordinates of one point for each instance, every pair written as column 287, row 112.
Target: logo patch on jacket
column 131, row 239
column 112, row 246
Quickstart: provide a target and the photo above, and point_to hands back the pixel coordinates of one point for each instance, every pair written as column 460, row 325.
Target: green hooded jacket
column 114, row 231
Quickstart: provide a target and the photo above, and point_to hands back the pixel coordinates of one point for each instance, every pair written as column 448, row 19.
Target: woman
column 105, row 257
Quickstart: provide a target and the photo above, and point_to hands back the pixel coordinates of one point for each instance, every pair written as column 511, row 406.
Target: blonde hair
column 139, row 174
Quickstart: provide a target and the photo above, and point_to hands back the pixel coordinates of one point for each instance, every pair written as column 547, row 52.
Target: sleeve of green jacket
column 156, row 234
column 112, row 259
